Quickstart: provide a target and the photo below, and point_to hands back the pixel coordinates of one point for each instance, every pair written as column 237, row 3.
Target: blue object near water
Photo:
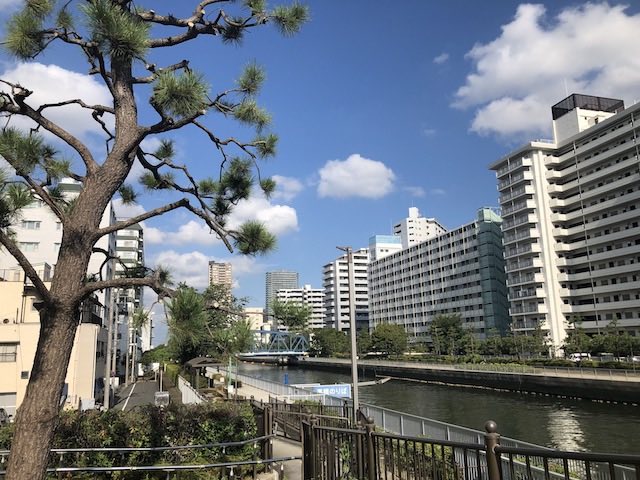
column 286, row 378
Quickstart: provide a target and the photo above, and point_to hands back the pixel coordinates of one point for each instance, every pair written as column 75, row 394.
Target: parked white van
column 579, row 357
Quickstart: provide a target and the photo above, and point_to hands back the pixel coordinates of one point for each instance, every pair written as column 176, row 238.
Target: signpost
column 340, row 390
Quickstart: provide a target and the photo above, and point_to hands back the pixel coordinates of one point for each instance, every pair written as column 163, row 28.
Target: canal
column 567, row 424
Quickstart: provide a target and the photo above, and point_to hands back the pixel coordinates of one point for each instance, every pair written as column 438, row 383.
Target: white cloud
column 191, row 268
column 127, row 211
column 415, row 191
column 437, row 191
column 51, row 84
column 442, row 58
column 590, row 49
column 355, row 177
column 279, row 219
column 429, row 132
column 286, row 187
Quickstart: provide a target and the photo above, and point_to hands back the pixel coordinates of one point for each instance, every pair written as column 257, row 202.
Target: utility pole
column 111, row 318
column 352, row 329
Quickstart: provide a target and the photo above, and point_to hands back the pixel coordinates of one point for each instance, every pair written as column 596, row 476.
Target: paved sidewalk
column 143, row 392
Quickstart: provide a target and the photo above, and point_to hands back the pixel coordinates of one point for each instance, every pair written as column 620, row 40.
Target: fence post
column 315, row 470
column 370, row 458
column 491, row 440
column 268, row 430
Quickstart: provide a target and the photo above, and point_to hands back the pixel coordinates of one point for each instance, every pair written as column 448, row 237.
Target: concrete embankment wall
column 591, row 389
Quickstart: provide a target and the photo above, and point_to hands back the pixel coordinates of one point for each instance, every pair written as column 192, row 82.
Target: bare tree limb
column 145, row 216
column 184, row 64
column 24, row 263
column 154, row 282
column 77, row 101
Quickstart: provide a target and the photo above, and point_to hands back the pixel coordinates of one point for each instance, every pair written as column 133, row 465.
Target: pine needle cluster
column 13, row 197
column 180, row 95
column 117, row 31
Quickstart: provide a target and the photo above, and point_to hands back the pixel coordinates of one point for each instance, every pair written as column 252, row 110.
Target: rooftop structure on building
column 416, row 228
column 275, row 281
column 220, row 273
column 456, row 272
column 382, row 245
column 335, row 279
column 571, row 221
column 312, row 297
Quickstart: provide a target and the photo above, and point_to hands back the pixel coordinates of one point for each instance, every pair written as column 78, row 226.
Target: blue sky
column 379, row 106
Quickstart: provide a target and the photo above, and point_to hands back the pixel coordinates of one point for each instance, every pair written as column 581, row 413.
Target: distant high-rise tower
column 220, row 274
column 278, row 281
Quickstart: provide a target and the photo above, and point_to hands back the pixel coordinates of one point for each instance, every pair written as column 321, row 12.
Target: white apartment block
column 416, row 228
column 571, row 209
column 39, row 235
column 457, row 272
column 313, row 297
column 335, row 279
column 220, row 274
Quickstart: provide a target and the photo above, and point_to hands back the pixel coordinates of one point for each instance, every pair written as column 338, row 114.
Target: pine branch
column 24, row 263
column 20, row 107
column 183, row 65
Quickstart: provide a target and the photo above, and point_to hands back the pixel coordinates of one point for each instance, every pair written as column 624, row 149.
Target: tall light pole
column 352, row 327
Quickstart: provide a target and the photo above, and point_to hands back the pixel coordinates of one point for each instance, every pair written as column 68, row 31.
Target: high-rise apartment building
column 312, row 297
column 571, row 209
column 220, row 274
column 335, row 279
column 457, row 272
column 277, row 281
column 416, row 228
column 130, row 251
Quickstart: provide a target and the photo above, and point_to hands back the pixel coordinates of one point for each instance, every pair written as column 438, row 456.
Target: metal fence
column 389, row 420
column 189, row 394
column 164, row 462
column 571, row 372
column 339, row 453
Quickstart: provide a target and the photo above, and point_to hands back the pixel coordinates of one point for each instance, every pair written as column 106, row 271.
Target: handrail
column 446, row 443
column 171, row 468
column 593, row 457
column 154, row 449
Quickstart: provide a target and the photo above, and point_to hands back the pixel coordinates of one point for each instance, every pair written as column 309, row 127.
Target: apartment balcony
column 551, row 161
column 557, row 202
column 606, row 205
column 553, row 174
column 602, row 289
column 522, row 190
column 530, row 218
column 526, row 294
column 602, row 307
column 558, row 217
column 515, row 179
column 594, row 177
column 528, row 310
column 516, row 252
column 522, row 162
column 525, row 279
column 524, row 265
column 597, row 142
column 621, row 184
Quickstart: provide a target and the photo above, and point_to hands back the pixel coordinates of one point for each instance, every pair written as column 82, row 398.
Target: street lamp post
column 352, row 328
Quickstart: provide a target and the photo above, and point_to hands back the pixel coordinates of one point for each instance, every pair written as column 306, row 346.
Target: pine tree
column 120, row 40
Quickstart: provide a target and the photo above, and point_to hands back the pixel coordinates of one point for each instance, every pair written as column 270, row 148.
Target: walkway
column 143, row 392
column 281, row 447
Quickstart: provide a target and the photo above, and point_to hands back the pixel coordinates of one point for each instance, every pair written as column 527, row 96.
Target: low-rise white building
column 416, row 228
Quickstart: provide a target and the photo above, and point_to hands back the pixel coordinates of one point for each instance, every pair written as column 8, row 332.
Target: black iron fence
column 331, row 453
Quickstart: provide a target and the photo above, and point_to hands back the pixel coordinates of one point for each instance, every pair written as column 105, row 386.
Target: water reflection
column 560, row 423
column 564, row 429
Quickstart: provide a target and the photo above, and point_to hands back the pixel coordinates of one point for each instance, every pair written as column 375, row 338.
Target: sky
column 379, row 106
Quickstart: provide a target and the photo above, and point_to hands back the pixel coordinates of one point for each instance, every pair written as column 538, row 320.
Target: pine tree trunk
column 37, row 416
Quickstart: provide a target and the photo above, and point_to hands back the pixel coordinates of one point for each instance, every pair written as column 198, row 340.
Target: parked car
column 579, row 357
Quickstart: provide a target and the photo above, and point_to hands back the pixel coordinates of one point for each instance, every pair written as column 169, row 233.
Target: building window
column 31, row 224
column 29, row 246
column 8, row 352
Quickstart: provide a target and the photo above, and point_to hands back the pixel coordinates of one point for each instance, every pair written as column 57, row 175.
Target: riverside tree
column 120, row 41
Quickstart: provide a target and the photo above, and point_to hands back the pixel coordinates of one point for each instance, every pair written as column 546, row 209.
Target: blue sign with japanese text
column 340, row 390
